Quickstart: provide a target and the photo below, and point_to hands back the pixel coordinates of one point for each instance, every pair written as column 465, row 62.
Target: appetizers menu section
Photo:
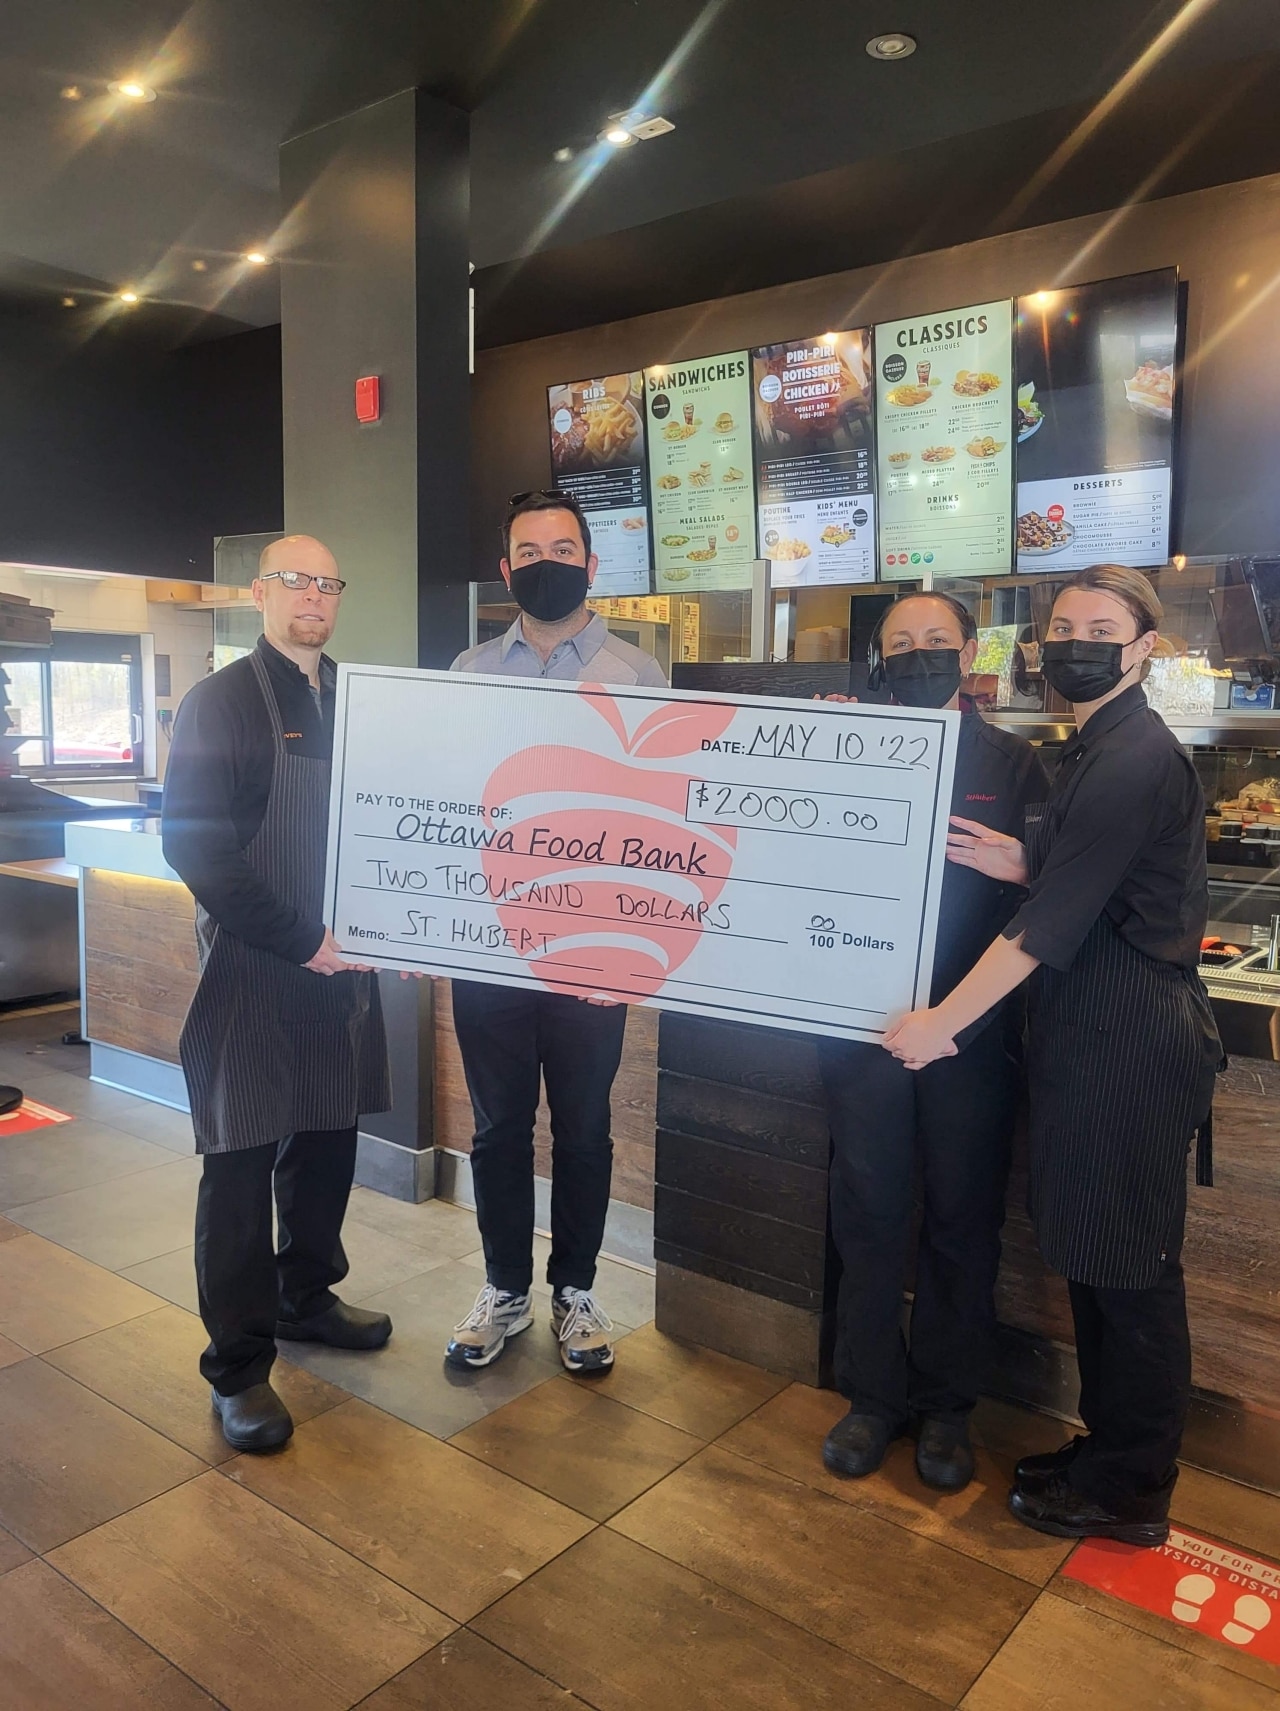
column 701, row 483
column 944, row 418
column 815, row 474
column 597, row 456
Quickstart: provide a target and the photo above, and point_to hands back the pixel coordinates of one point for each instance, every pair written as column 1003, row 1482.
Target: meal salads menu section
column 944, row 418
column 700, row 475
column 815, row 478
column 597, row 455
column 1095, row 422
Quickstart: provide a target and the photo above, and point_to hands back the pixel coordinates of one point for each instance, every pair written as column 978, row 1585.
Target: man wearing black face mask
column 956, row 1116
column 512, row 1038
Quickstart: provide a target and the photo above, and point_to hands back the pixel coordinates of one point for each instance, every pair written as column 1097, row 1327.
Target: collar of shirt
column 289, row 672
column 1105, row 720
column 586, row 644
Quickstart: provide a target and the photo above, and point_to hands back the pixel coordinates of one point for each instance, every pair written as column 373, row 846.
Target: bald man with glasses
column 283, row 1046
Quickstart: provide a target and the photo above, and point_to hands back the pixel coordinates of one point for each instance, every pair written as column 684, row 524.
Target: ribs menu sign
column 597, row 456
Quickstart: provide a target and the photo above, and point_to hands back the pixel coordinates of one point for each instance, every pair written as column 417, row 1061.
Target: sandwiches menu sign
column 944, row 419
column 700, row 476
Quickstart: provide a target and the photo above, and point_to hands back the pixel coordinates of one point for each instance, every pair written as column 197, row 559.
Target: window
column 79, row 707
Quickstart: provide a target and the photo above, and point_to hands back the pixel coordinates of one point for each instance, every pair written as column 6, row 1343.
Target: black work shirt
column 216, row 787
column 997, row 776
column 1124, row 835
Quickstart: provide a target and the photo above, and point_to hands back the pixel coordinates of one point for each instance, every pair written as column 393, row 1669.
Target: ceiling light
column 562, row 156
column 72, row 92
column 829, row 338
column 256, row 257
column 132, row 90
column 617, row 136
column 68, row 302
column 624, row 129
column 199, row 266
column 895, row 45
column 128, row 296
column 1042, row 299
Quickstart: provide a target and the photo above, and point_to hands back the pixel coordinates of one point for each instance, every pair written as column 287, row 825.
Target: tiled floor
column 665, row 1537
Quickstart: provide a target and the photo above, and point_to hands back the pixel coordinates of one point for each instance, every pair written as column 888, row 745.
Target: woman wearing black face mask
column 1122, row 1051
column 956, row 1117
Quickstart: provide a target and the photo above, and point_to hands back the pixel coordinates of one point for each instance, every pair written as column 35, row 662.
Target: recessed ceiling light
column 72, row 92
column 68, row 302
column 617, row 136
column 256, row 257
column 198, row 266
column 132, row 90
column 624, row 129
column 128, row 296
column 830, row 338
column 562, row 156
column 1042, row 299
column 895, row 45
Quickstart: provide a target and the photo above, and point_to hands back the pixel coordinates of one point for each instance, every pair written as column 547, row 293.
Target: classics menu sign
column 812, row 413
column 1096, row 422
column 700, row 476
column 944, row 419
column 597, row 455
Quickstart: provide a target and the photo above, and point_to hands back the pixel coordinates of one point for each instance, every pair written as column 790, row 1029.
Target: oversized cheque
column 752, row 858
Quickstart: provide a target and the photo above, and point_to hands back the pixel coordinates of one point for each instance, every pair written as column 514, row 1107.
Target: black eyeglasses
column 554, row 493
column 298, row 579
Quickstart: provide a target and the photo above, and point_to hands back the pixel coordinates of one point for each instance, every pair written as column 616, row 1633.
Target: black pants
column 246, row 1281
column 956, row 1117
column 1134, row 1353
column 510, row 1038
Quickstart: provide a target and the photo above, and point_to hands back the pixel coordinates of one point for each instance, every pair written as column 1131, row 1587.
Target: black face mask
column 924, row 677
column 1083, row 671
column 549, row 590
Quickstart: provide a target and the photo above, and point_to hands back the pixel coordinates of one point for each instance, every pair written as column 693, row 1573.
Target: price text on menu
column 752, row 859
column 945, row 442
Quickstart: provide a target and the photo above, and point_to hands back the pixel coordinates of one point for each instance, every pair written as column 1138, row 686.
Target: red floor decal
column 1212, row 1588
column 29, row 1115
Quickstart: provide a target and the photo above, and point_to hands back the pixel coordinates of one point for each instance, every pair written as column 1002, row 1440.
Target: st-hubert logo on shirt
column 296, row 735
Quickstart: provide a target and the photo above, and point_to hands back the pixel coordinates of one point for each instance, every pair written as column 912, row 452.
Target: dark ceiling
column 793, row 154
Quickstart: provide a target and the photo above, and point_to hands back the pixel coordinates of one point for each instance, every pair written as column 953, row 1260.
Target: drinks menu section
column 700, row 475
column 1095, row 422
column 944, row 420
column 597, row 455
column 816, row 481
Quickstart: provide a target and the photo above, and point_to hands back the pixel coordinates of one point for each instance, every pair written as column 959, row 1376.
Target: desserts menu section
column 1095, row 422
column 944, row 418
column 597, row 455
column 700, row 477
column 812, row 411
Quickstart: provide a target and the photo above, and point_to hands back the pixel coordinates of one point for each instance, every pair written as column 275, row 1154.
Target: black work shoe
column 856, row 1445
column 254, row 1420
column 944, row 1459
column 1068, row 1514
column 340, row 1326
column 1033, row 1473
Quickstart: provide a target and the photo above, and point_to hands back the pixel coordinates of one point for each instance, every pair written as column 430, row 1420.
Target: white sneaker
column 481, row 1337
column 584, row 1330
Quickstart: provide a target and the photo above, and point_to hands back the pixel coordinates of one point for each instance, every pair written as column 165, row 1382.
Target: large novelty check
column 752, row 858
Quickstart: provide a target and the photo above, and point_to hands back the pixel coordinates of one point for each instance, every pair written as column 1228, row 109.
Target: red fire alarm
column 368, row 408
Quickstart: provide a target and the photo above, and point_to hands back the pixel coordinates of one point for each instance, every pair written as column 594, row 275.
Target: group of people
column 1069, row 926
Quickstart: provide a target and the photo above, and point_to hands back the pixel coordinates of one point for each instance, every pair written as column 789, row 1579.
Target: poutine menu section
column 1095, row 422
column 815, row 477
column 944, row 420
column 597, row 456
column 700, row 476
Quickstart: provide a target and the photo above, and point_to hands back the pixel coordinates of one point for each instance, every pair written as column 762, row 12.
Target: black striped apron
column 269, row 1048
column 1121, row 1055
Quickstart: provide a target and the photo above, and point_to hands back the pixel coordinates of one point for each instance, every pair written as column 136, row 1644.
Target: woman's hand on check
column 919, row 1039
column 975, row 845
column 850, row 698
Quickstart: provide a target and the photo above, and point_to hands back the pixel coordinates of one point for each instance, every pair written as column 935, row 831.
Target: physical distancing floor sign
column 1202, row 1585
column 29, row 1115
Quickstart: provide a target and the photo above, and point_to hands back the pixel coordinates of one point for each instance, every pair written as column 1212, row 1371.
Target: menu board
column 597, row 456
column 814, row 475
column 1095, row 422
column 944, row 422
column 702, row 495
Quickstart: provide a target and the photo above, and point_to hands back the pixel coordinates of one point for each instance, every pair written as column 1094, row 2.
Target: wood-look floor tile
column 787, row 1433
column 912, row 1607
column 50, row 1296
column 1066, row 1658
column 12, row 1553
column 60, row 1652
column 8, row 1231
column 435, row 1520
column 259, row 1610
column 69, row 1460
column 1008, row 1431
column 578, row 1446
column 1238, row 1514
column 628, row 1630
column 11, row 1352
column 149, row 1367
column 695, row 1389
column 466, row 1673
column 122, row 1222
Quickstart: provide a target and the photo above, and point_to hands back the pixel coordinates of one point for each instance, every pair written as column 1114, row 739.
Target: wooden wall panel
column 141, row 965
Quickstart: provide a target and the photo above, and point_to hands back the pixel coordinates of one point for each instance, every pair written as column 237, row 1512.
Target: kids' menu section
column 701, row 486
column 1095, row 422
column 597, row 456
column 944, row 419
column 814, row 472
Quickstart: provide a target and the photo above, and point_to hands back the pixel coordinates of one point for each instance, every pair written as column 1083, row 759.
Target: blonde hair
column 1130, row 587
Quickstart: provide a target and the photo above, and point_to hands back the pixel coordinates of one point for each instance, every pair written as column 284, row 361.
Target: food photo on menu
column 598, row 456
column 700, row 472
column 812, row 409
column 1096, row 369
